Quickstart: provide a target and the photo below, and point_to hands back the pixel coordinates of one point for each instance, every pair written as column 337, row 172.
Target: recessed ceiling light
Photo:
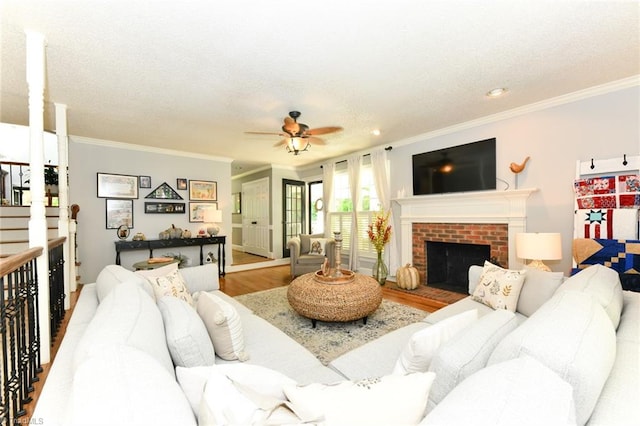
column 499, row 91
column 375, row 132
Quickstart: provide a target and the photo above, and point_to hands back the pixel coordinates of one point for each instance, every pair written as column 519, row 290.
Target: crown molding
column 144, row 148
column 602, row 89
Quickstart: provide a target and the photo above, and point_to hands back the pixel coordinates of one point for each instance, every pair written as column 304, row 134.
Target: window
column 367, row 207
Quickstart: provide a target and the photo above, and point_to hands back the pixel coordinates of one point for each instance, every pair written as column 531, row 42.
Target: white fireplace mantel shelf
column 508, row 207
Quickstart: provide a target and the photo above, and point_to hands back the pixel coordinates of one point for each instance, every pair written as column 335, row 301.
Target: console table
column 175, row 242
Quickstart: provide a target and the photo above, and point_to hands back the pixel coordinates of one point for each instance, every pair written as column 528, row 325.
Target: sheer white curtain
column 353, row 170
column 379, row 165
column 327, row 195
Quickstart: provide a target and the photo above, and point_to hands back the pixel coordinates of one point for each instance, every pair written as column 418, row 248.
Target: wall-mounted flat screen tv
column 469, row 167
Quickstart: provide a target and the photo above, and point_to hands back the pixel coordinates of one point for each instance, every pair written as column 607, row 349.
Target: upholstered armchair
column 307, row 253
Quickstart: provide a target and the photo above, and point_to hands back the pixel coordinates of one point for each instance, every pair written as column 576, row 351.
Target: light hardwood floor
column 235, row 284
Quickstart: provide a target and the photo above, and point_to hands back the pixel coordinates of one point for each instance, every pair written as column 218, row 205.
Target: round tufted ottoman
column 334, row 302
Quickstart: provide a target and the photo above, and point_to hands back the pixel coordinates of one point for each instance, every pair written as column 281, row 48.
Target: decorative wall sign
column 164, row 192
column 117, row 186
column 196, row 211
column 118, row 213
column 181, row 183
column 164, row 207
column 202, row 190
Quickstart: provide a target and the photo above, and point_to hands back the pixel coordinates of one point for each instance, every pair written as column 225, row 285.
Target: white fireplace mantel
column 508, row 207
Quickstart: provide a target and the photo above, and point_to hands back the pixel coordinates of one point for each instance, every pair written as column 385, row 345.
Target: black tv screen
column 469, row 167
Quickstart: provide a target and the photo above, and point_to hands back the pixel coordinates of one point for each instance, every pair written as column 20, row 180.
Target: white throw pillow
column 187, row 338
column 201, row 277
column 124, row 386
column 499, row 288
column 418, row 352
column 468, row 351
column 258, row 379
column 539, row 286
column 389, row 400
column 317, row 246
column 225, row 402
column 170, row 284
column 519, row 392
column 223, row 325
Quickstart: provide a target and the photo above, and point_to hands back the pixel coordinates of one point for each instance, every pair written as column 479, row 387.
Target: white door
column 255, row 217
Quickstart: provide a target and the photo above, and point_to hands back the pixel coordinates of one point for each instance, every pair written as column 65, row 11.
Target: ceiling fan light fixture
column 297, row 145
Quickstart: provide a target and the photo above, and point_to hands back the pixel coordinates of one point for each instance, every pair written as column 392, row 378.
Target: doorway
column 256, row 217
column 293, row 209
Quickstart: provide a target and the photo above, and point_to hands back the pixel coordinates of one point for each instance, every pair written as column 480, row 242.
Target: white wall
column 95, row 243
column 604, row 126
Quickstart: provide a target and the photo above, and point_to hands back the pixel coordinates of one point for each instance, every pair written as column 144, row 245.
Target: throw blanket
column 622, row 256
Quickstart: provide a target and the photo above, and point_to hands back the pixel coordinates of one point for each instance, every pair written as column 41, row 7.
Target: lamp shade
column 539, row 246
column 212, row 216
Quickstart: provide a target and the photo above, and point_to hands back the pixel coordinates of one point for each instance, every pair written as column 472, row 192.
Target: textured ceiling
column 195, row 75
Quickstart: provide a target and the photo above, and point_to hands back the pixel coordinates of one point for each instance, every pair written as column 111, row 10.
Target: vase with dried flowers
column 379, row 234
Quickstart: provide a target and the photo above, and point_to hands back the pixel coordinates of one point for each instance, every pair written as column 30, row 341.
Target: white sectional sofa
column 568, row 355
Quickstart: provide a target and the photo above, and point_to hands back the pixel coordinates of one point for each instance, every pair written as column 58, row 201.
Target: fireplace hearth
column 448, row 263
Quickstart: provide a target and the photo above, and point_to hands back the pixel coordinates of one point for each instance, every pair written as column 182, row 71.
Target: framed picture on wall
column 202, row 190
column 118, row 213
column 196, row 211
column 145, row 181
column 117, row 186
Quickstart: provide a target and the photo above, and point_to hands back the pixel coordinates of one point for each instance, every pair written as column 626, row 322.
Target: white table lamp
column 211, row 217
column 538, row 247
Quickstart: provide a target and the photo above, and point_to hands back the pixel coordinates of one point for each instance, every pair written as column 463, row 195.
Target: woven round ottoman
column 334, row 302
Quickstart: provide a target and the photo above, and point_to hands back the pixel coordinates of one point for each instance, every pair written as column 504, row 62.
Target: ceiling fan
column 297, row 136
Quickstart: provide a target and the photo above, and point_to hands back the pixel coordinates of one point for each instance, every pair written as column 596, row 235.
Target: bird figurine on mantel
column 518, row 168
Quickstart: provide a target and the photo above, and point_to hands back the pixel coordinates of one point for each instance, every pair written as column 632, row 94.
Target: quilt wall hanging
column 621, row 255
column 608, row 192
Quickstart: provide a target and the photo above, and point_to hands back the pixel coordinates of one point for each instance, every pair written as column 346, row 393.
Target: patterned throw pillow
column 316, row 246
column 499, row 288
column 171, row 284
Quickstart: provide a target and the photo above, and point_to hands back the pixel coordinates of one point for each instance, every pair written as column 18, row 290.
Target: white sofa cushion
column 187, row 338
column 422, row 345
column 538, row 287
column 127, row 316
column 603, row 284
column 223, row 325
column 113, row 275
column 573, row 336
column 389, row 400
column 201, row 277
column 121, row 385
column 499, row 288
column 468, row 352
column 519, row 392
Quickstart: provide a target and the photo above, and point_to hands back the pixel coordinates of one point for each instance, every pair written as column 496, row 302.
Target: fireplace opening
column 448, row 264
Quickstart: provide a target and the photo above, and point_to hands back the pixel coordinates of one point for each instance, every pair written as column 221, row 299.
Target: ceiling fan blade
column 315, row 141
column 323, row 130
column 264, row 133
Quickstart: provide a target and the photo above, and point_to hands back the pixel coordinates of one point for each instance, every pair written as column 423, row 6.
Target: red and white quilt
column 606, row 223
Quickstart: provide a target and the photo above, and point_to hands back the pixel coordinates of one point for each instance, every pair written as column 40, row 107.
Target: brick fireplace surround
column 495, row 235
column 483, row 217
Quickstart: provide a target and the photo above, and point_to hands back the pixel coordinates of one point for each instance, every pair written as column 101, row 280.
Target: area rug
column 328, row 340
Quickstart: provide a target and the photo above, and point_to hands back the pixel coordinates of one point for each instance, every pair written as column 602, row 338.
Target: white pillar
column 38, row 221
column 63, row 201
